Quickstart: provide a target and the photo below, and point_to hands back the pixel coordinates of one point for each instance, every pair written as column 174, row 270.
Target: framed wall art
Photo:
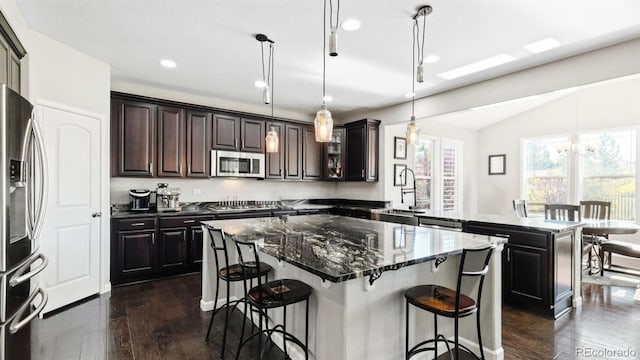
column 497, row 164
column 399, row 148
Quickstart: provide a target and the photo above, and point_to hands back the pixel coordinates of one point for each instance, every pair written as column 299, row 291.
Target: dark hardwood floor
column 162, row 320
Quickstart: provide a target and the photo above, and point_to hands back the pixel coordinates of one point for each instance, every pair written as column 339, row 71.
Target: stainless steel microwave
column 237, row 164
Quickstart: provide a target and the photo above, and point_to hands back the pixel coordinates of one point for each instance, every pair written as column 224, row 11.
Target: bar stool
column 450, row 303
column 228, row 274
column 271, row 295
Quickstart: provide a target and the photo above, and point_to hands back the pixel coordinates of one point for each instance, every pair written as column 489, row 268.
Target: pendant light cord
column 413, row 66
column 271, row 73
column 324, row 49
column 331, row 15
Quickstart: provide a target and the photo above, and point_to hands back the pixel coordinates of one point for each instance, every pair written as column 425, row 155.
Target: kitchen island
column 359, row 270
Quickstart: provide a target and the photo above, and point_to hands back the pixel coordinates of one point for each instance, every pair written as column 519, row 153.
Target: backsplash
column 199, row 190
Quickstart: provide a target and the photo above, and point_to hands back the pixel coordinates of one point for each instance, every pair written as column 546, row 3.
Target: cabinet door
column 356, row 155
column 311, row 155
column 198, row 144
column 135, row 253
column 196, row 248
column 14, row 72
column 372, row 153
column 252, row 135
column 275, row 161
column 5, row 52
column 226, row 132
column 170, row 142
column 525, row 274
column 173, row 249
column 134, row 138
column 293, row 151
column 334, row 156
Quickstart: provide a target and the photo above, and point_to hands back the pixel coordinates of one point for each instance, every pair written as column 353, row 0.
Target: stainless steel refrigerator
column 22, row 202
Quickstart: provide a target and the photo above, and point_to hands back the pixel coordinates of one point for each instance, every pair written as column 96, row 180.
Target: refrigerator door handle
column 17, row 323
column 42, row 176
column 27, row 157
column 19, row 276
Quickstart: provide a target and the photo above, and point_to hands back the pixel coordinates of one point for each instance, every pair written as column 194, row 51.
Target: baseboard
column 106, row 288
column 489, row 354
column 210, row 305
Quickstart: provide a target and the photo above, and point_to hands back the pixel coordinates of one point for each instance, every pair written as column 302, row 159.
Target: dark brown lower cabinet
column 146, row 248
column 537, row 266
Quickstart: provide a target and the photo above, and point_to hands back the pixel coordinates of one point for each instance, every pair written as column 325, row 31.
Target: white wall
column 602, row 106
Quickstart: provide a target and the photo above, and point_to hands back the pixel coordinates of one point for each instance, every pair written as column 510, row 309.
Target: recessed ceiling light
column 542, row 45
column 409, row 94
column 168, row 63
column 351, row 25
column 259, row 84
column 431, row 59
column 477, row 66
column 327, row 98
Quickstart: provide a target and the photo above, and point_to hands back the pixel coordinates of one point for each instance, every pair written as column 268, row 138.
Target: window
column 599, row 165
column 438, row 168
column 545, row 171
column 423, row 168
column 608, row 170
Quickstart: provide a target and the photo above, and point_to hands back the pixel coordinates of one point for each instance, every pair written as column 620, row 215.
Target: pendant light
column 333, row 36
column 323, row 123
column 271, row 140
column 412, row 128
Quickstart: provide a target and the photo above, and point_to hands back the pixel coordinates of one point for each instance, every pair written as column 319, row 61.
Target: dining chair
column 594, row 210
column 520, row 208
column 562, row 212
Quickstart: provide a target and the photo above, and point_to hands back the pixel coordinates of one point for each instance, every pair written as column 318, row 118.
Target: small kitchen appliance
column 167, row 198
column 139, row 200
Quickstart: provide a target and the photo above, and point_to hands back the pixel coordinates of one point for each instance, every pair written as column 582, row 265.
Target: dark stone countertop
column 534, row 223
column 339, row 248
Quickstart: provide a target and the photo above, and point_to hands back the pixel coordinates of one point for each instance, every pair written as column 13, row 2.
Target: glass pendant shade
column 412, row 131
column 323, row 124
column 272, row 140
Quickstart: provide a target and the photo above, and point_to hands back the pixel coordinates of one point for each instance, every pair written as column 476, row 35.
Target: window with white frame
column 545, row 171
column 600, row 165
column 438, row 169
column 608, row 170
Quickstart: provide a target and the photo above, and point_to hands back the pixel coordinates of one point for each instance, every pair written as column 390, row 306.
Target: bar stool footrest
column 450, row 344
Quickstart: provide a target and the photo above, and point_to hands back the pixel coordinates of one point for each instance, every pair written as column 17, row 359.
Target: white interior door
column 71, row 233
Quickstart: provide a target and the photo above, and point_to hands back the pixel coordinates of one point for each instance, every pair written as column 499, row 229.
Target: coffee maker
column 167, row 198
column 139, row 200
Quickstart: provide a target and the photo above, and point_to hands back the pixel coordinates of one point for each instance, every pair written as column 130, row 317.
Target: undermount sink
column 399, row 216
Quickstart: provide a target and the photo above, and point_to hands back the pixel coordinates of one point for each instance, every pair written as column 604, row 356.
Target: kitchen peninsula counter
column 359, row 270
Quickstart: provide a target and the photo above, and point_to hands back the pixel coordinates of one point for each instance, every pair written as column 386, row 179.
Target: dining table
column 609, row 227
column 599, row 230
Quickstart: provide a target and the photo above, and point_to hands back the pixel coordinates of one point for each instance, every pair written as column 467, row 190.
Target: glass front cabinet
column 334, row 156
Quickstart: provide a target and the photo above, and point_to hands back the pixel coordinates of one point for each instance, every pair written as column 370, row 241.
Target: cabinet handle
column 188, row 169
column 279, row 172
column 362, row 172
column 235, row 143
column 189, row 221
column 180, row 169
column 242, row 142
column 508, row 254
column 153, row 240
column 138, row 224
column 503, row 235
column 151, row 168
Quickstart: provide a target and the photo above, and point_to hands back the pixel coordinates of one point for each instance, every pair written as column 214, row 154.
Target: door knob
column 96, row 214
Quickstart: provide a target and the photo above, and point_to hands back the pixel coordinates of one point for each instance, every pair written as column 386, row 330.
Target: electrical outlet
column 197, row 192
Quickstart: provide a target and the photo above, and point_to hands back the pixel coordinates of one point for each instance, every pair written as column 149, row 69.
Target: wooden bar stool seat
column 443, row 301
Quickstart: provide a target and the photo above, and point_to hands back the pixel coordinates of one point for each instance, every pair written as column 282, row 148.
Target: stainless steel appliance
column 237, row 164
column 167, row 198
column 139, row 200
column 22, row 203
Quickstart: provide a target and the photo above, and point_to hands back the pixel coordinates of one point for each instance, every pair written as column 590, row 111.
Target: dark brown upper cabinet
column 237, row 134
column 171, row 127
column 311, row 155
column 275, row 161
column 198, row 144
column 133, row 138
column 362, row 150
column 333, row 156
column 293, row 151
column 11, row 52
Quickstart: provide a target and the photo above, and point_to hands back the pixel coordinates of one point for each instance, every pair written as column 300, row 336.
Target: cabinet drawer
column 181, row 221
column 526, row 238
column 137, row 224
column 253, row 214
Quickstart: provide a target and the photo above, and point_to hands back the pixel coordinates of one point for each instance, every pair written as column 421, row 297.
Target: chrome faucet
column 408, row 190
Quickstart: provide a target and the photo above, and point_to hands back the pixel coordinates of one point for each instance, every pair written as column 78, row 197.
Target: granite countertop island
column 338, row 248
column 358, row 270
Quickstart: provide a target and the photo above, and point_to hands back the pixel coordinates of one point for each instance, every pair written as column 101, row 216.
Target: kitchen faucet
column 408, row 190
